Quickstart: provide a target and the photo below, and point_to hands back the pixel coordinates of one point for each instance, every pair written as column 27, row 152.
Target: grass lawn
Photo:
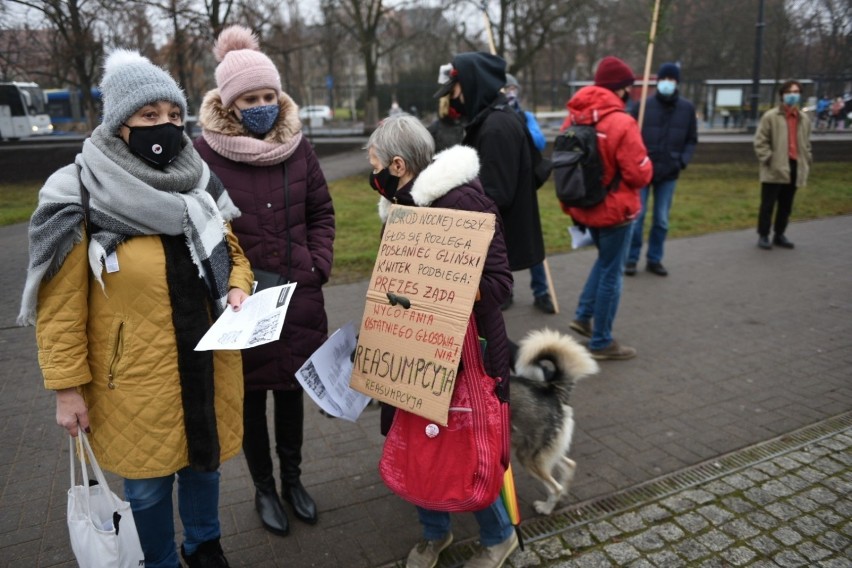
column 709, row 198
column 17, row 202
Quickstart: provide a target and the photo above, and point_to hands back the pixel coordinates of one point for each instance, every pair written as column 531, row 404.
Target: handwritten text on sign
column 419, row 300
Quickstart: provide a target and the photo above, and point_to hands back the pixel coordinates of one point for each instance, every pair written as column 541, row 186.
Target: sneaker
column 544, row 304
column 763, row 242
column 584, row 328
column 494, row 556
column 613, row 352
column 657, row 268
column 426, row 552
column 630, row 269
column 783, row 242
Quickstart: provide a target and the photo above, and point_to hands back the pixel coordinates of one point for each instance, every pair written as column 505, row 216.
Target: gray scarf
column 129, row 198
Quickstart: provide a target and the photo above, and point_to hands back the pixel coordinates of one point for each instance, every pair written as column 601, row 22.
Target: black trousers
column 781, row 194
column 289, row 426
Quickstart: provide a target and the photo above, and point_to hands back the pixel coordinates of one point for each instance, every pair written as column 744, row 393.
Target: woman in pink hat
column 252, row 139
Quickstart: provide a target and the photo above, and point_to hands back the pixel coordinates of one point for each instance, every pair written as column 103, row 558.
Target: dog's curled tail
column 571, row 360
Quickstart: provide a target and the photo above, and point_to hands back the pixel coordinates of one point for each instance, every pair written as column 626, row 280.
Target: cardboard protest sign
column 419, row 301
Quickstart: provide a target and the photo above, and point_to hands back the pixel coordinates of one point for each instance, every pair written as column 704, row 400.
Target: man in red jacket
column 622, row 152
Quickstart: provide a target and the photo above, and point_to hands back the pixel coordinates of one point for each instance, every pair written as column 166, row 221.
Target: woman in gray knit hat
column 131, row 256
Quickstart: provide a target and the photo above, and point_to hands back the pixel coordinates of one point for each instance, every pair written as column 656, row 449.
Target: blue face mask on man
column 666, row 87
column 260, row 119
column 792, row 99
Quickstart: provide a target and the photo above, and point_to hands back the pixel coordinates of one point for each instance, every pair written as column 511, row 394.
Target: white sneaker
column 426, row 552
column 494, row 556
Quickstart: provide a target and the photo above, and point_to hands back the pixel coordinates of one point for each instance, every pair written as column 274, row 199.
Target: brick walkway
column 792, row 510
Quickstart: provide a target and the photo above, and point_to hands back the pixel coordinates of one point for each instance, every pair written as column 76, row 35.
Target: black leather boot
column 259, row 459
column 289, row 420
column 209, row 554
column 269, row 508
column 303, row 504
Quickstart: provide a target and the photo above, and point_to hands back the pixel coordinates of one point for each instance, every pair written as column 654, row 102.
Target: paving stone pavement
column 737, row 346
column 792, row 510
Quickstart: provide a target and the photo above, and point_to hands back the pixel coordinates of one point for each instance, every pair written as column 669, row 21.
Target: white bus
column 23, row 111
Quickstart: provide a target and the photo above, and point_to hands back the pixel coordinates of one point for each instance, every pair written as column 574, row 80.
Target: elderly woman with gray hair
column 406, row 172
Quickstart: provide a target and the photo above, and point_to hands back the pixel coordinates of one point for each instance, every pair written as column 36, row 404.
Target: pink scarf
column 250, row 150
column 229, row 139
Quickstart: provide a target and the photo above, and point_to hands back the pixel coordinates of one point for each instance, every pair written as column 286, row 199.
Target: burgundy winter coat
column 290, row 232
column 451, row 182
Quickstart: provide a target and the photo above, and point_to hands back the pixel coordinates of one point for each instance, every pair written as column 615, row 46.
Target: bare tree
column 825, row 26
column 218, row 14
column 75, row 23
column 365, row 20
column 289, row 41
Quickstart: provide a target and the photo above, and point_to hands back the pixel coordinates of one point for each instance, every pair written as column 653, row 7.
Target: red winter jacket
column 620, row 146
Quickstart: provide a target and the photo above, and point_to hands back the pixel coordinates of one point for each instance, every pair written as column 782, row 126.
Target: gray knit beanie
column 130, row 82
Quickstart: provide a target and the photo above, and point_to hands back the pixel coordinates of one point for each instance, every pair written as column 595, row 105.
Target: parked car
column 316, row 111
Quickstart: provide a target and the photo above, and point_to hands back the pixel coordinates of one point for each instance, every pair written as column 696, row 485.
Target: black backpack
column 577, row 168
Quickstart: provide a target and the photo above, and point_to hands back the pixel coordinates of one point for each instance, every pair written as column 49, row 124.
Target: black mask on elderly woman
column 158, row 145
column 385, row 183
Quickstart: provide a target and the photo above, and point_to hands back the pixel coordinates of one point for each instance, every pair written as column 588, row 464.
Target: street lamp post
column 755, row 79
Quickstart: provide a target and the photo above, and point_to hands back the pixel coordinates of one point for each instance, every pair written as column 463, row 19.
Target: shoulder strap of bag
column 616, row 178
column 287, row 222
column 471, row 350
column 85, row 198
column 84, row 450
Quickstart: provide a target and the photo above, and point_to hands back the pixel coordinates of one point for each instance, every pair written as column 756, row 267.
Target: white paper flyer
column 325, row 376
column 580, row 237
column 259, row 321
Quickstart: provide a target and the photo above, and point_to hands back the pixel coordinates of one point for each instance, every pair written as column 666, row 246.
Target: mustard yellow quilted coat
column 117, row 346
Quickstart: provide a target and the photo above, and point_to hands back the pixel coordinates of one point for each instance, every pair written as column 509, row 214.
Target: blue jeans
column 663, row 197
column 151, row 502
column 602, row 292
column 538, row 280
column 494, row 524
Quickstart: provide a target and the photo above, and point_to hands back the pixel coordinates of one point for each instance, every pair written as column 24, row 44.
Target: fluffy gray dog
column 547, row 365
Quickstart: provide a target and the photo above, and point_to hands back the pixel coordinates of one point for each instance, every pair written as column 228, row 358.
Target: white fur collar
column 449, row 169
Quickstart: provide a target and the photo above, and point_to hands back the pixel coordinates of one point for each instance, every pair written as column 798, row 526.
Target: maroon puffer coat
column 291, row 233
column 451, row 182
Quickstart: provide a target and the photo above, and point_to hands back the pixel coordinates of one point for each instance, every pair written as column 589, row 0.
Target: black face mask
column 385, row 183
column 458, row 106
column 625, row 97
column 158, row 145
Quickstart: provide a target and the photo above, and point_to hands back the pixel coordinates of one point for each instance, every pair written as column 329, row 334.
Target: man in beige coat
column 783, row 147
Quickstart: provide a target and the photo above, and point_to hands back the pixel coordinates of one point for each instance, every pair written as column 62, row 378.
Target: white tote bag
column 103, row 534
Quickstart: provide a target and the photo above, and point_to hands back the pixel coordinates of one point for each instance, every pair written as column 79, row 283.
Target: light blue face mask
column 260, row 119
column 666, row 87
column 792, row 99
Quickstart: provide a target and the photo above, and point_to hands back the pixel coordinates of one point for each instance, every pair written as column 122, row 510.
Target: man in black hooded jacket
column 499, row 136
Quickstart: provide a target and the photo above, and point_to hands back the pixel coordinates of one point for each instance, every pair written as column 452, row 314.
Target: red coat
column 619, row 145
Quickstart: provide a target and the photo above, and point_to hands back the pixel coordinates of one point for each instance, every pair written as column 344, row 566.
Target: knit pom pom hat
column 613, row 74
column 242, row 66
column 668, row 71
column 130, row 82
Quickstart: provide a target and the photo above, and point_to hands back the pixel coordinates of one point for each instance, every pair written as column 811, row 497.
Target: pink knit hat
column 242, row 66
